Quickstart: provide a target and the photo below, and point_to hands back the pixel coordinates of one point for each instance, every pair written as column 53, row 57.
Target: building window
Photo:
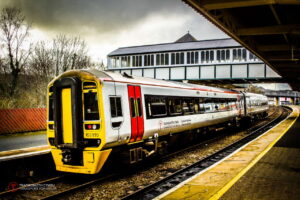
column 244, row 54
column 152, row 60
column 122, row 61
column 173, row 58
column 128, row 61
column 133, row 61
column 239, row 54
column 162, row 58
column 140, row 61
column 202, row 56
column 193, row 57
column 148, row 60
column 252, row 56
column 234, row 54
column 177, row 58
column 223, row 55
column 166, row 59
column 118, row 62
column 211, row 56
column 206, row 56
column 137, row 61
column 146, row 63
column 157, row 59
column 227, row 55
column 196, row 57
column 113, row 62
column 181, row 61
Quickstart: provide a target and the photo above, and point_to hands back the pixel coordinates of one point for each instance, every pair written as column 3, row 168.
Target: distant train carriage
column 92, row 113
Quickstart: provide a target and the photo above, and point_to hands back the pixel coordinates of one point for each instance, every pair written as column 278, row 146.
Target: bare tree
column 41, row 60
column 13, row 34
column 69, row 53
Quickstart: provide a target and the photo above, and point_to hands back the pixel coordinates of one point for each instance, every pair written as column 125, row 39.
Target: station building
column 191, row 59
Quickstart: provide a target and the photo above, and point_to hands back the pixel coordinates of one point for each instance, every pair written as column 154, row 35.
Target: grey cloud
column 100, row 15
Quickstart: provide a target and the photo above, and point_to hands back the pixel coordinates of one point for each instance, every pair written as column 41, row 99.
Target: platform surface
column 23, row 145
column 276, row 176
column 218, row 179
column 20, row 141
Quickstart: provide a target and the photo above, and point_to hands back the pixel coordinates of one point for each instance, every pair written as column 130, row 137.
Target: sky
column 109, row 24
column 106, row 25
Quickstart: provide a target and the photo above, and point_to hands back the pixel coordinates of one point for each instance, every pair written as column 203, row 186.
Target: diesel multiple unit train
column 93, row 113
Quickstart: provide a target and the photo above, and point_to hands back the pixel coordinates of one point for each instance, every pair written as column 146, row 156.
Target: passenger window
column 91, row 111
column 132, row 107
column 156, row 107
column 201, row 106
column 188, row 106
column 208, row 107
column 223, row 105
column 115, row 107
column 175, row 107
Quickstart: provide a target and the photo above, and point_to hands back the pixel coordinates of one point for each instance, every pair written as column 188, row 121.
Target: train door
column 136, row 113
column 67, row 101
column 66, row 112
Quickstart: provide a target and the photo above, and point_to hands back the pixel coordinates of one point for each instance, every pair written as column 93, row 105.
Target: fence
column 22, row 120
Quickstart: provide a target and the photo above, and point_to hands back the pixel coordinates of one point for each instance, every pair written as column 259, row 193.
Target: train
column 93, row 113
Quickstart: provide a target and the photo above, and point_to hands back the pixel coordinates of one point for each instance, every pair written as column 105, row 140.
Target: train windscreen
column 91, row 111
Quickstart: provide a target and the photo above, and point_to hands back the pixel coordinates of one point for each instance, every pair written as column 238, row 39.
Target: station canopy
column 268, row 28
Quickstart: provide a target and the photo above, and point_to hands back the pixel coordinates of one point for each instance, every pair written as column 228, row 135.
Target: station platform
column 23, row 145
column 266, row 168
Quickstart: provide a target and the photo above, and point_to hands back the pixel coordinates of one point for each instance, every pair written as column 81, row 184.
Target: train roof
column 110, row 76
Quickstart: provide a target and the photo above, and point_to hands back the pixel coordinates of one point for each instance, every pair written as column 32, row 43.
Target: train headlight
column 92, row 126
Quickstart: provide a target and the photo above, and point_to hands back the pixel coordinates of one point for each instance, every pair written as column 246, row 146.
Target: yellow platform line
column 208, row 184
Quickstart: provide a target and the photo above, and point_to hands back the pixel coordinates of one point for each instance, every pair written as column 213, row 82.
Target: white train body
column 136, row 110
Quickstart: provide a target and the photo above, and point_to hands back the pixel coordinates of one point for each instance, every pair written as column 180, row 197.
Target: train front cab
column 76, row 131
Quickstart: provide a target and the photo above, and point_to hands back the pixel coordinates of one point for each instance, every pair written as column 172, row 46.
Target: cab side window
column 115, row 107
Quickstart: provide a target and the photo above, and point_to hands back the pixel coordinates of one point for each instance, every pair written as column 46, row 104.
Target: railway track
column 153, row 190
column 86, row 182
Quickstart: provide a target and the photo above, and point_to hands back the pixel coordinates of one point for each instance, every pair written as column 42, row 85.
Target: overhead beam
column 283, row 57
column 287, row 65
column 270, row 30
column 282, row 47
column 279, row 21
column 225, row 4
